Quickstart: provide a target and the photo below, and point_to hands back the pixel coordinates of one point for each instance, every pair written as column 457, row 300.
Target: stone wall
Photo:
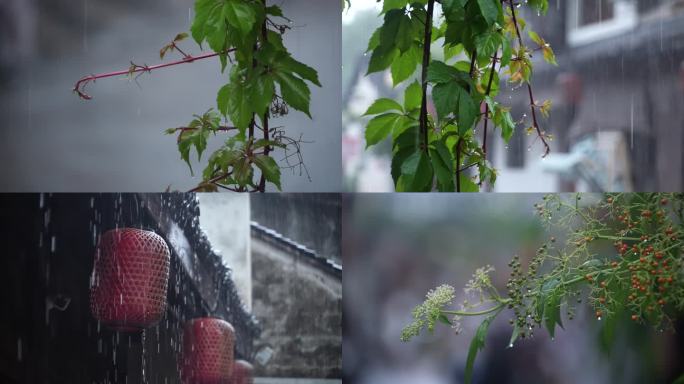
column 297, row 299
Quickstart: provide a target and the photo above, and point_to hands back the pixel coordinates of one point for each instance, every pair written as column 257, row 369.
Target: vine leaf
column 383, row 105
column 490, row 10
column 476, row 345
column 269, row 168
column 294, row 91
column 548, row 305
column 240, row 15
column 443, row 164
column 381, row 126
column 488, row 43
column 233, row 101
column 449, row 97
column 412, row 96
column 405, row 65
column 416, row 172
column 393, row 4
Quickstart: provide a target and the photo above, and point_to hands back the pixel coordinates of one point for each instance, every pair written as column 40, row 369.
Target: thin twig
column 540, row 134
column 79, row 88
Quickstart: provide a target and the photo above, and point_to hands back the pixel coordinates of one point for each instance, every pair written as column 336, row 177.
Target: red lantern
column 130, row 276
column 207, row 351
column 242, row 373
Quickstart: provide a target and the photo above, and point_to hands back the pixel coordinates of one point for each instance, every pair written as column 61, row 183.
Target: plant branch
column 79, row 88
column 486, row 115
column 262, row 181
column 427, row 41
column 540, row 134
column 499, row 306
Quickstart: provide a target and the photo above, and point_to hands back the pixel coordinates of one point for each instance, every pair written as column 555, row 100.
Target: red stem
column 80, row 85
column 547, row 149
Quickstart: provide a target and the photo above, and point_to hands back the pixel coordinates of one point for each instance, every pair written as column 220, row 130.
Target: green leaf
column 440, row 72
column 416, row 172
column 488, row 43
column 294, row 91
column 548, row 305
column 450, row 51
column 397, row 30
column 443, row 164
column 476, row 345
column 383, row 105
column 467, row 184
column 288, row 63
column 412, row 96
column 490, row 10
column 221, row 160
column 535, row 37
column 541, row 5
column 233, row 101
column 381, row 126
column 382, row 58
column 506, row 52
column 503, row 120
column 452, row 98
column 203, row 9
column 240, row 15
column 243, row 172
column 261, row 91
column 274, row 10
column 393, row 4
column 405, row 65
column 444, row 319
column 193, row 138
column 269, row 169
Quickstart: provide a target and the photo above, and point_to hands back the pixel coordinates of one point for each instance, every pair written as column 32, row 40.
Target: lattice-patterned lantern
column 207, row 351
column 129, row 281
column 243, row 373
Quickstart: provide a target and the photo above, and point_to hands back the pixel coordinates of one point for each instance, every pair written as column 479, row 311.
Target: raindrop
column 42, row 200
column 53, row 244
column 19, row 350
column 510, row 345
column 598, row 318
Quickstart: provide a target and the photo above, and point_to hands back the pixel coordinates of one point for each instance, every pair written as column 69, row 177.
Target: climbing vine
column 641, row 279
column 481, row 39
column 264, row 82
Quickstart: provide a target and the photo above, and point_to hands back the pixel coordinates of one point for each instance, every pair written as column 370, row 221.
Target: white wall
column 225, row 218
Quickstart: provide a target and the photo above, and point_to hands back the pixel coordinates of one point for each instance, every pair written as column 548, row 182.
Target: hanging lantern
column 207, row 351
column 130, row 276
column 243, row 373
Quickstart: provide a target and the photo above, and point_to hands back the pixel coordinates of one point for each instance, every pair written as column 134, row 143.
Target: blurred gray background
column 50, row 140
column 395, row 247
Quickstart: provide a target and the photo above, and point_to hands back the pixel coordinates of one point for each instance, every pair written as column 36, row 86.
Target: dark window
column 595, row 11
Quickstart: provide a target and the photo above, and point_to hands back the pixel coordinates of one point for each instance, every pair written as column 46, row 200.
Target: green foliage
column 264, row 81
column 641, row 281
column 476, row 345
column 480, row 41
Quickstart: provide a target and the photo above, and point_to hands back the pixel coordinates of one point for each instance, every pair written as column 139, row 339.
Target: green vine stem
column 478, row 36
column 642, row 279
